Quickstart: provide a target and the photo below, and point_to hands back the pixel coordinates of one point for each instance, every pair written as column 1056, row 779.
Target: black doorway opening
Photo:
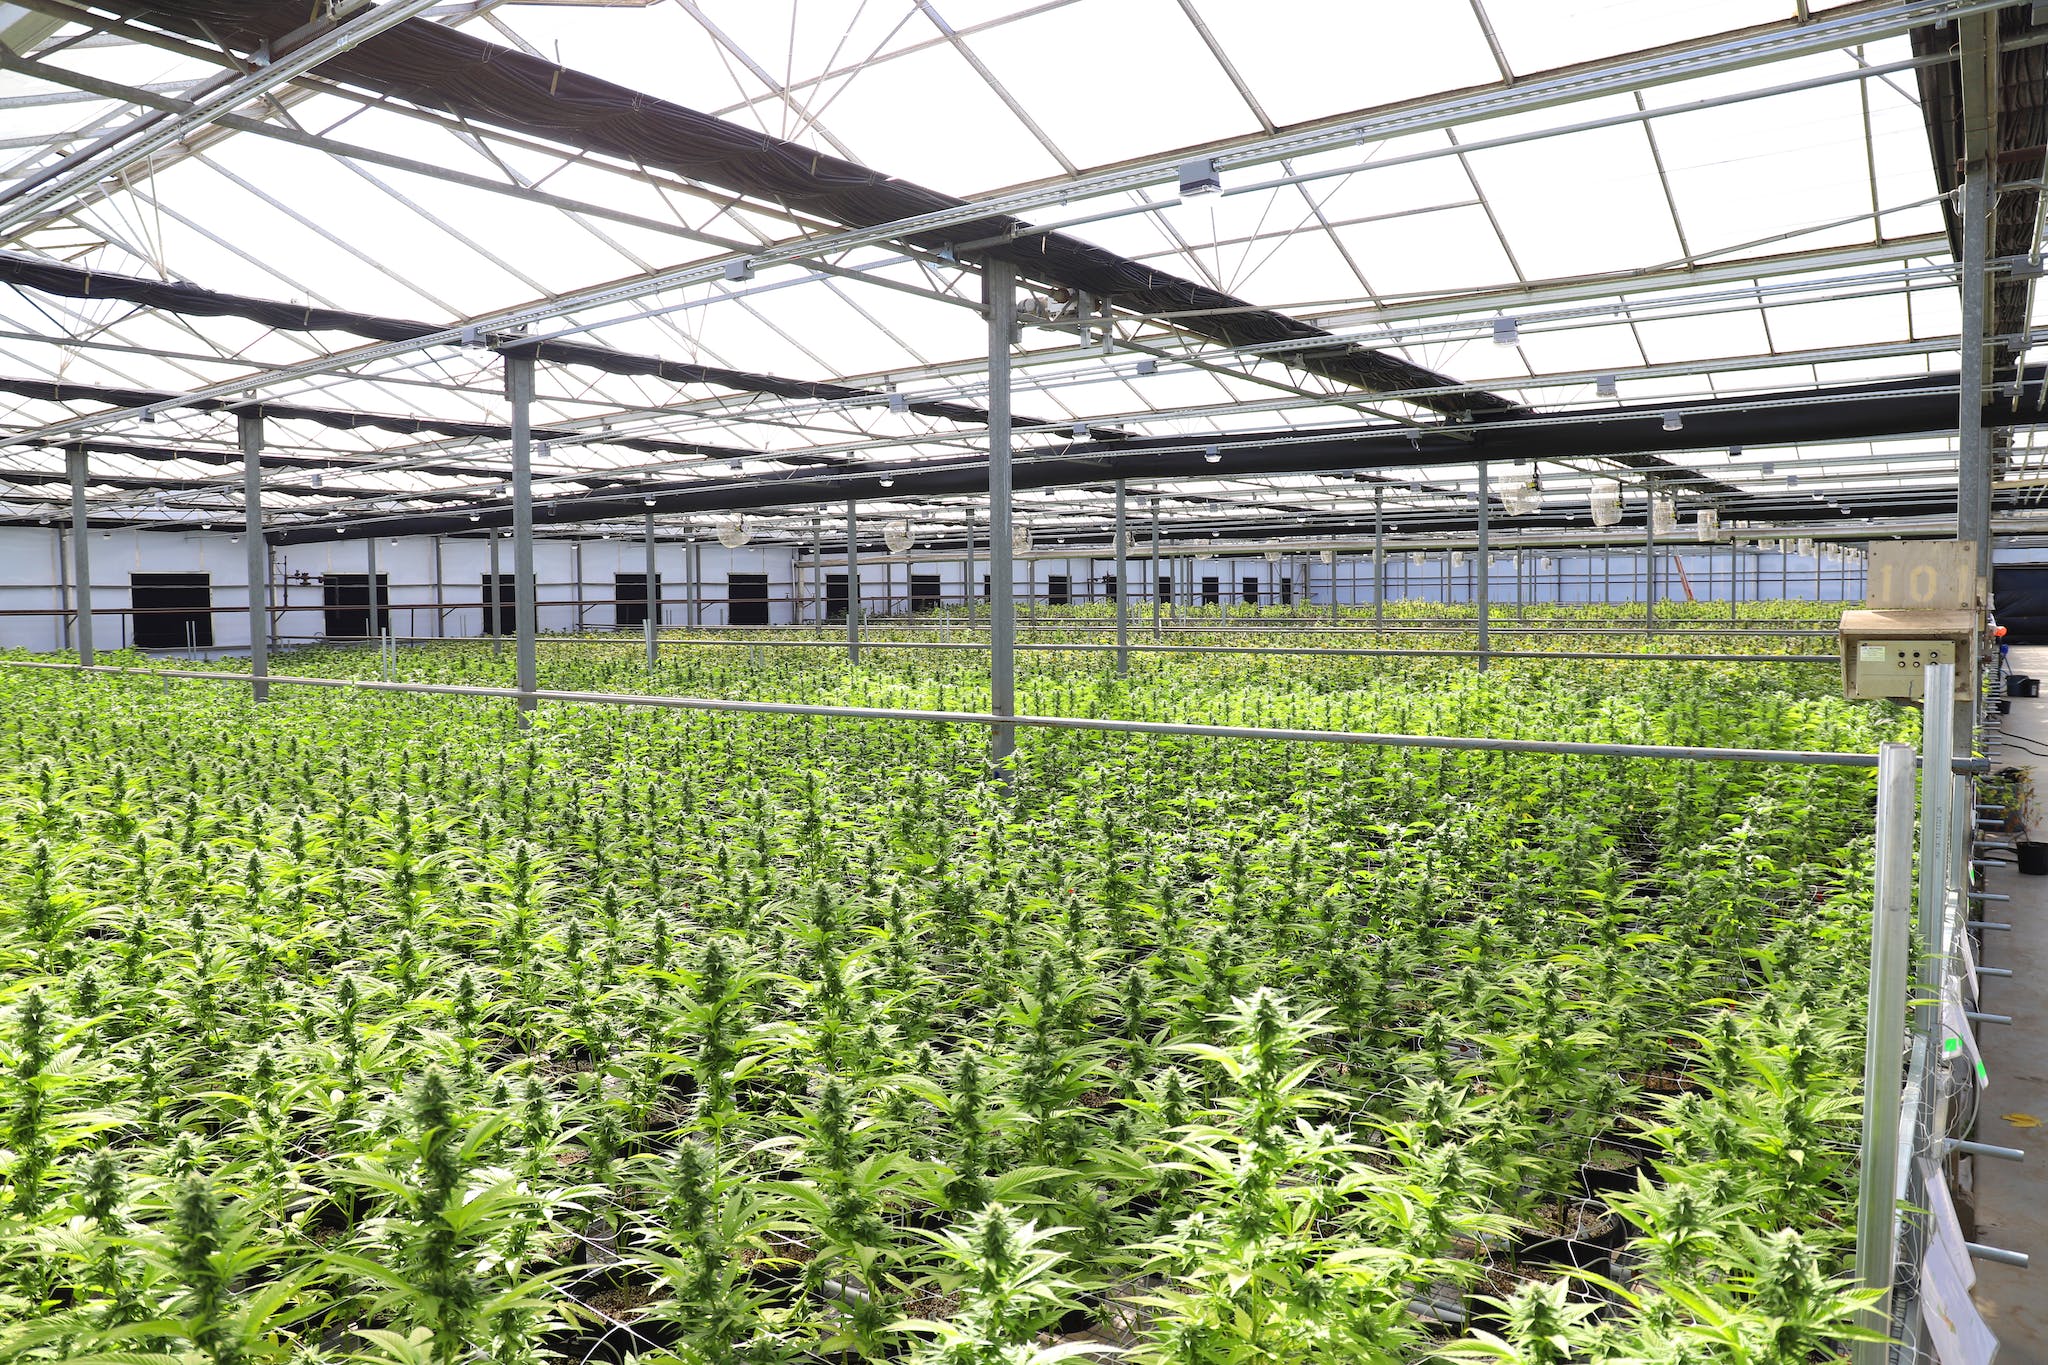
column 501, row 604
column 346, row 597
column 172, row 610
column 629, row 591
column 746, row 599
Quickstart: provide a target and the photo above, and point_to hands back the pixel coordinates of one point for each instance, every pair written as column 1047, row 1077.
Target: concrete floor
column 2012, row 1199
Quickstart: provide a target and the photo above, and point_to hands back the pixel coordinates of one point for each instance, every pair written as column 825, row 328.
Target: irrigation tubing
column 1822, row 758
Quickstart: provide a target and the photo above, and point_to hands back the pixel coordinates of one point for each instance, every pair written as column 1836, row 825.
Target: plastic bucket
column 2033, row 859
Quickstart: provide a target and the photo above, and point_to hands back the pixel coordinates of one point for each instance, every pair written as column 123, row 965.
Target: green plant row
column 377, row 1028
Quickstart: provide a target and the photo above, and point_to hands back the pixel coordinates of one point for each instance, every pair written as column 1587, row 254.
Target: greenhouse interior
column 724, row 682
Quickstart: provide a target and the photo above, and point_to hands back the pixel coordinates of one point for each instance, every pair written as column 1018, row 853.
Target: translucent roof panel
column 1750, row 227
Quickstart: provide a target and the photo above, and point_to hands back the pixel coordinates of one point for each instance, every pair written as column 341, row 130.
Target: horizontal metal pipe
column 1998, row 1255
column 1986, row 1149
column 1339, row 652
column 1820, row 758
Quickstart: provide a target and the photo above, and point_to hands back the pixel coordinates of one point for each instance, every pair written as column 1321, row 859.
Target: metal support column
column 1973, row 445
column 255, row 553
column 652, row 596
column 1937, row 748
column 440, row 594
column 967, row 586
column 1649, row 558
column 1481, row 565
column 1884, row 1034
column 495, row 615
column 695, row 554
column 852, row 581
column 371, row 630
column 576, row 571
column 81, row 553
column 1123, row 614
column 1152, row 578
column 519, row 388
column 818, row 569
column 1379, row 558
column 999, row 284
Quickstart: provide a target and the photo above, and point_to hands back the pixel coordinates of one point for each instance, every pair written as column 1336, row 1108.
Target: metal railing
column 1920, row 1039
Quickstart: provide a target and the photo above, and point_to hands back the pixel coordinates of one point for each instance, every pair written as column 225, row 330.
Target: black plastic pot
column 2033, row 858
column 2022, row 685
column 1599, row 1180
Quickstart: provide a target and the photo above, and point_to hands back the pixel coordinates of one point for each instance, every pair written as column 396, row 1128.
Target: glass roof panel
column 1325, row 57
column 1537, row 35
column 1049, row 64
column 1451, row 241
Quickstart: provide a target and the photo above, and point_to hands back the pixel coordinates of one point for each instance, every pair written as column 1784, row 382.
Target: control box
column 1884, row 652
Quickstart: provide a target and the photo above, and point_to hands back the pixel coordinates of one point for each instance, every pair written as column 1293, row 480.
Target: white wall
column 30, row 569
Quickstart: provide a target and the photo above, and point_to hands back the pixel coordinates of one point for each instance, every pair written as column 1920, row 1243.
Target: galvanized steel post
column 1649, row 557
column 1154, row 575
column 852, row 581
column 1884, row 1033
column 255, row 553
column 651, row 623
column 1479, row 578
column 1123, row 637
column 494, row 611
column 1973, row 445
column 999, row 284
column 81, row 550
column 519, row 389
column 370, row 629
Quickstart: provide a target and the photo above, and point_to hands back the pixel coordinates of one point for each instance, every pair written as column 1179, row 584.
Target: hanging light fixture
column 1605, row 500
column 1663, row 514
column 1707, row 525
